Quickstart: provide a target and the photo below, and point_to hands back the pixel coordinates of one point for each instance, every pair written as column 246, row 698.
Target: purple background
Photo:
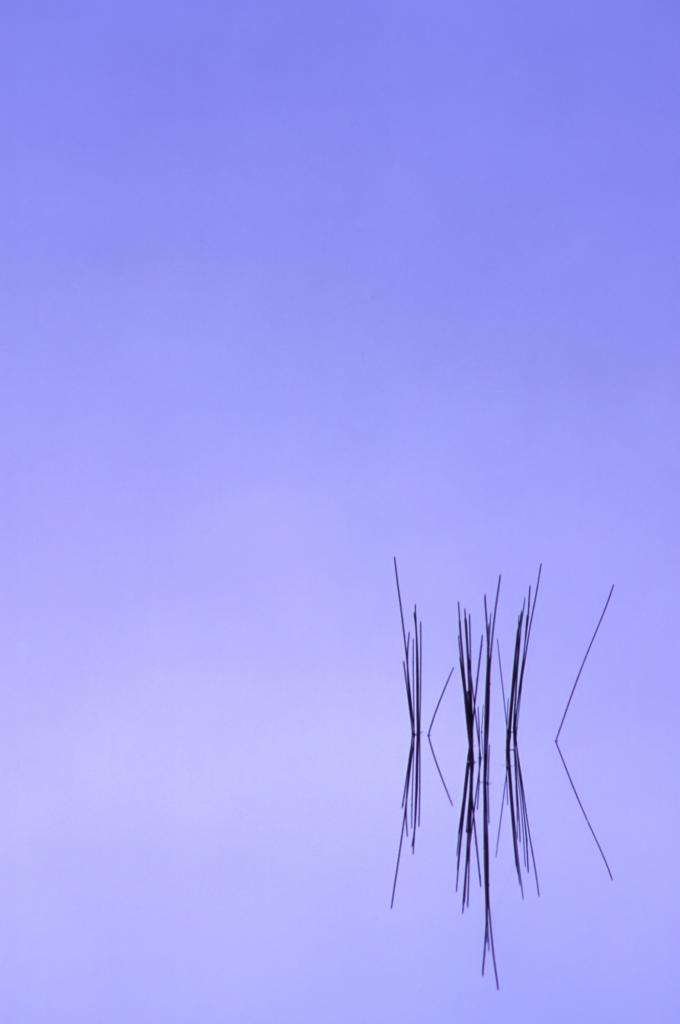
column 290, row 288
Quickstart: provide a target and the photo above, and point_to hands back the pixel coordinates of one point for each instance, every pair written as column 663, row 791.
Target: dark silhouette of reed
column 489, row 629
column 413, row 674
column 476, row 780
column 557, row 737
column 513, row 789
column 477, row 766
column 429, row 738
column 467, row 829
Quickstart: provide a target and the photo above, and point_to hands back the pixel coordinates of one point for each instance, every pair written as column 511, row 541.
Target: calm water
column 288, row 289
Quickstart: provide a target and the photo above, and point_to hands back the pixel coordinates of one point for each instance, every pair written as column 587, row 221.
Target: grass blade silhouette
column 429, row 739
column 412, row 666
column 490, row 627
column 557, row 737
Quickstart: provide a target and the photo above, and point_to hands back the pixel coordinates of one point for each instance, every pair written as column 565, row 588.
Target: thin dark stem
column 408, row 775
column 525, row 813
column 412, row 670
column 396, row 870
column 557, row 737
column 401, row 609
column 441, row 697
column 500, row 669
column 490, row 625
column 429, row 740
column 585, row 658
column 439, row 771
column 583, row 811
column 500, row 818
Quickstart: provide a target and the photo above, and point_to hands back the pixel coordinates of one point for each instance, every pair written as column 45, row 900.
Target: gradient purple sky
column 286, row 289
